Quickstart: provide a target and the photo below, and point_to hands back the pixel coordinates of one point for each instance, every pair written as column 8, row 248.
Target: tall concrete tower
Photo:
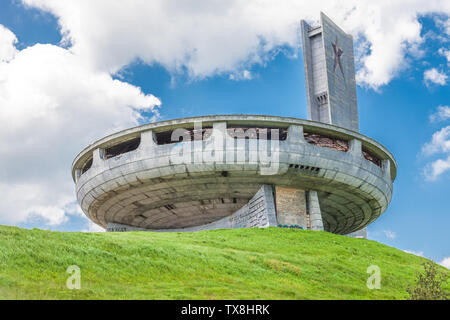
column 330, row 74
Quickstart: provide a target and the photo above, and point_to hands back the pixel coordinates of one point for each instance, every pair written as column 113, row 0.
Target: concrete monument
column 242, row 171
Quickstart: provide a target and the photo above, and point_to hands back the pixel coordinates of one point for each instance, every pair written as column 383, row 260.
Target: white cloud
column 7, row 42
column 443, row 23
column 445, row 262
column 439, row 145
column 437, row 168
column 442, row 114
column 445, row 53
column 390, row 234
column 209, row 37
column 52, row 105
column 434, row 76
column 417, row 253
column 440, row 142
column 244, row 75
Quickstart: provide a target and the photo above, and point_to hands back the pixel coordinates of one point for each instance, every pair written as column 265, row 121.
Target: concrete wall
column 291, row 207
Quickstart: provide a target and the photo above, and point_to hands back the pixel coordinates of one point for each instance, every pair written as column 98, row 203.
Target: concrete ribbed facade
column 144, row 188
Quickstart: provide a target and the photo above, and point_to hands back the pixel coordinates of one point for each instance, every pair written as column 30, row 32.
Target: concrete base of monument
column 270, row 207
column 258, row 212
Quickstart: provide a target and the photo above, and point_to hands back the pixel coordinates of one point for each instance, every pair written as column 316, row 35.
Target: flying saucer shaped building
column 240, row 171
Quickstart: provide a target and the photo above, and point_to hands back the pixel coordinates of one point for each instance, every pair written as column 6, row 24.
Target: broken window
column 324, row 141
column 86, row 166
column 188, row 135
column 122, row 148
column 371, row 157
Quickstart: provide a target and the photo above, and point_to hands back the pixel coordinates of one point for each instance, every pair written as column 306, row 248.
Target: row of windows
column 235, row 132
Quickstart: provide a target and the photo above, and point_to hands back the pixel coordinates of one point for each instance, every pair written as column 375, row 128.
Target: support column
column 314, row 211
column 97, row 157
column 215, row 145
column 148, row 140
column 355, row 147
column 269, row 202
column 295, row 134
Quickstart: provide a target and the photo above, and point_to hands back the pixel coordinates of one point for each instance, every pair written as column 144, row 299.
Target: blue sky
column 394, row 108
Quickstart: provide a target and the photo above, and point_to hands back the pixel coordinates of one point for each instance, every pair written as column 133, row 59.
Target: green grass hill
column 269, row 263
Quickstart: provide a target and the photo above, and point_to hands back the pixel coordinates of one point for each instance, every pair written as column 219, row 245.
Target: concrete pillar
column 386, row 168
column 220, row 126
column 221, row 132
column 355, row 147
column 97, row 157
column 270, row 205
column 148, row 140
column 217, row 142
column 295, row 134
column 315, row 214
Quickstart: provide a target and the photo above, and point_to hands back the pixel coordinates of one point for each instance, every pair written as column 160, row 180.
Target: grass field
column 270, row 263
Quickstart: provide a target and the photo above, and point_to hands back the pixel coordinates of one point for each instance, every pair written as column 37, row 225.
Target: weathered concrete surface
column 330, row 74
column 258, row 212
column 315, row 215
column 144, row 189
column 291, row 207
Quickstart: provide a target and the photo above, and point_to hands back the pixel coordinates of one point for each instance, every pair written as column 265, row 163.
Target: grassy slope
column 268, row 263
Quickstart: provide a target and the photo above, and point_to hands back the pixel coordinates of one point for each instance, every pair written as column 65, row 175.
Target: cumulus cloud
column 434, row 76
column 443, row 23
column 445, row 262
column 244, row 75
column 210, row 37
column 442, row 113
column 445, row 53
column 436, row 168
column 53, row 104
column 7, row 42
column 439, row 144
